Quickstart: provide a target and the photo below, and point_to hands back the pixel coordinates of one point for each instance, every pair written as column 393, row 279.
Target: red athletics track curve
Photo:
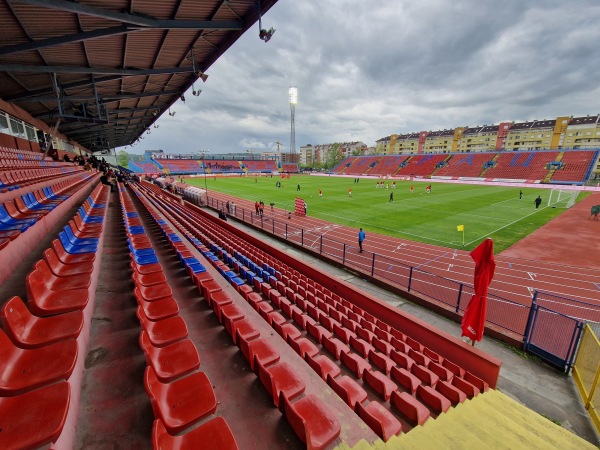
column 532, row 264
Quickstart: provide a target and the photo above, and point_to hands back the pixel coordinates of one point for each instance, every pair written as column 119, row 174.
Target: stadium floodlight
column 293, row 95
column 293, row 91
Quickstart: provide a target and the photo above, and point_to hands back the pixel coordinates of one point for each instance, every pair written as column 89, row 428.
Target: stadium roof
column 105, row 70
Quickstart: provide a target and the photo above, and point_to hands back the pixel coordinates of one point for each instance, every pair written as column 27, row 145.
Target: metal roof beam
column 113, row 112
column 134, row 19
column 108, row 98
column 61, row 40
column 75, row 84
column 94, row 70
column 175, row 24
column 78, row 8
column 98, row 128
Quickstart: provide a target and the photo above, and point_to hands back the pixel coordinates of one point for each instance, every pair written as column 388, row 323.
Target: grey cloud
column 365, row 70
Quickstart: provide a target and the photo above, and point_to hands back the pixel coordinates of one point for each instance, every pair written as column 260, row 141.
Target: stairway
column 438, row 168
column 489, row 420
column 482, row 174
column 548, row 177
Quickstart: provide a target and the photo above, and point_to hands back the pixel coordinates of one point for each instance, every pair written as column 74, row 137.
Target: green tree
column 123, row 158
column 333, row 156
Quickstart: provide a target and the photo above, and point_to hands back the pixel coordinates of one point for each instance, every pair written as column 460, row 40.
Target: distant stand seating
column 261, row 165
column 576, row 166
column 289, row 168
column 421, row 165
column 223, row 166
column 521, row 165
column 363, row 164
column 465, row 165
column 388, row 165
column 344, row 165
column 181, row 165
column 143, row 167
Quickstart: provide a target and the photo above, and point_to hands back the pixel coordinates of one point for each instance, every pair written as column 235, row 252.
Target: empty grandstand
column 420, row 165
column 147, row 315
column 568, row 167
column 469, row 165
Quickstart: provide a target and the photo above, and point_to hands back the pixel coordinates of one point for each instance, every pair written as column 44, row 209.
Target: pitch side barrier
column 538, row 327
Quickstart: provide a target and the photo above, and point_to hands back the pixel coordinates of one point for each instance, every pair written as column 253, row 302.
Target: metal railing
column 550, row 334
column 586, row 374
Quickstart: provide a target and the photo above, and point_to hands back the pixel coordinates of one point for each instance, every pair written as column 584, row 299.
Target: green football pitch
column 433, row 218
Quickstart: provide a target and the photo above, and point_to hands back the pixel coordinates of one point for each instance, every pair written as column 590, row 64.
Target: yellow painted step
column 489, row 421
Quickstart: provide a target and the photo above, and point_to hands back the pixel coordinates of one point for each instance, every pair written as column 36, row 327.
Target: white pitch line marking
column 532, row 275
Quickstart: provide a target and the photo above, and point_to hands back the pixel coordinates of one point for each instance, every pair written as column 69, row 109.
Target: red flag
column 473, row 321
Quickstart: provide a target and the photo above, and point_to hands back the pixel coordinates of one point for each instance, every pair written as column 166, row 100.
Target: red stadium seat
column 280, row 378
column 410, row 407
column 334, row 346
column 381, row 361
column 181, row 403
column 243, row 327
column 451, row 392
column 469, row 389
column 257, row 349
column 171, row 361
column 355, row 363
column 34, row 419
column 163, row 332
column 425, row 375
column 22, row 370
column 159, row 309
column 379, row 419
column 380, row 383
column 155, row 292
column 61, row 283
column 212, row 435
column 405, row 379
column 303, row 346
column 29, row 331
column 45, row 302
column 433, row 399
column 61, row 269
column 311, row 420
column 70, row 258
column 324, row 366
column 361, row 346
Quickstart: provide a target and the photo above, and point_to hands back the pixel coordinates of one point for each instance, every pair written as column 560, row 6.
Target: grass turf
column 485, row 211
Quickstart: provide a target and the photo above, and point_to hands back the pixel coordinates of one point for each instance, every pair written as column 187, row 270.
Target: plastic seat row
column 383, row 384
column 291, row 386
column 309, row 417
column 180, row 394
column 39, row 354
column 25, row 211
column 18, row 176
column 308, row 350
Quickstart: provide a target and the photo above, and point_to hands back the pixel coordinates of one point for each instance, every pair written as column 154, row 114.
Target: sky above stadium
column 368, row 69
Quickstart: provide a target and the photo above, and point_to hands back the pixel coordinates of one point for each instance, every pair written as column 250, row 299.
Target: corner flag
column 460, row 228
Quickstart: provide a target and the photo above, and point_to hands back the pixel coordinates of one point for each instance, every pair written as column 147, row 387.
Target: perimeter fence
column 548, row 330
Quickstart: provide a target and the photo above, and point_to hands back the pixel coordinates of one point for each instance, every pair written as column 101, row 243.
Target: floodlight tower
column 293, row 100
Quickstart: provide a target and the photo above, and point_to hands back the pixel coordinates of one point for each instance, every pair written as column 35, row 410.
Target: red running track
column 561, row 258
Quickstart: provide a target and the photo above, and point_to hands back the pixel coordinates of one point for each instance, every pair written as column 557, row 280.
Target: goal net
column 561, row 198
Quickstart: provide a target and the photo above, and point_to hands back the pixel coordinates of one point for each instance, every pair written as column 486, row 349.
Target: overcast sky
column 365, row 69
